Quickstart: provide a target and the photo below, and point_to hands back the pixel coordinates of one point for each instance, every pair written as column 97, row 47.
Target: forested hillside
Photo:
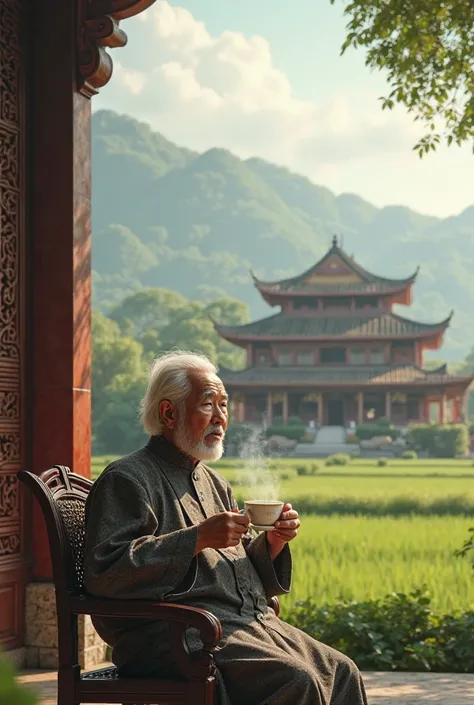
column 164, row 216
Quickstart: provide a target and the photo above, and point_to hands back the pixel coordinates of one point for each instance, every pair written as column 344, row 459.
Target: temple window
column 285, row 357
column 332, row 355
column 377, row 356
column 305, row 357
column 357, row 356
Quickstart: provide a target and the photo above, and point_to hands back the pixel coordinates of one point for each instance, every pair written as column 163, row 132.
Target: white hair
column 168, row 381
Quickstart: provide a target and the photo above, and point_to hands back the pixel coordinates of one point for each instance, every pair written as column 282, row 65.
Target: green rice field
column 368, row 530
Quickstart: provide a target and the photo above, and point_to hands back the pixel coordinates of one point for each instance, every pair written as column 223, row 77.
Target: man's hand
column 286, row 529
column 221, row 531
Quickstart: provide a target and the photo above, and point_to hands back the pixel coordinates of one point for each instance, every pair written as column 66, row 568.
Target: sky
column 266, row 79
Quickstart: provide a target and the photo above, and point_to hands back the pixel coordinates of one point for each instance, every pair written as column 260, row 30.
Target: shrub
column 277, row 421
column 398, row 632
column 295, row 421
column 451, row 441
column 238, row 433
column 303, row 470
column 382, row 462
column 384, row 422
column 447, row 441
column 422, row 436
column 366, row 431
column 338, row 459
column 285, row 476
column 409, row 455
column 293, row 432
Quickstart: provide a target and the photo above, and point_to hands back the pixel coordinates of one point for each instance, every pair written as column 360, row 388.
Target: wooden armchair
column 61, row 495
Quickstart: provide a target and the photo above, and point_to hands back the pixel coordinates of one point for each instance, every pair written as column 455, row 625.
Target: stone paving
column 382, row 688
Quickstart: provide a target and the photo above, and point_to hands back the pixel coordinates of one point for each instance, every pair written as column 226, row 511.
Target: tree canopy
column 426, row 48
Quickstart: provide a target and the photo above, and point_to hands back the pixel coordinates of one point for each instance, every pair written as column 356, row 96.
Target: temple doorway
column 335, row 412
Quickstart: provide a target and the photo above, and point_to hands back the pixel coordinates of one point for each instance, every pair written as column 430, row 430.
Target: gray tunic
column 141, row 529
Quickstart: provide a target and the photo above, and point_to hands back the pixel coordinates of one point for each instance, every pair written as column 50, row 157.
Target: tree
column 118, row 380
column 148, row 309
column 426, row 47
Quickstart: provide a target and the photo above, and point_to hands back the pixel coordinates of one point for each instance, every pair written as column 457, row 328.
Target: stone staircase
column 329, row 440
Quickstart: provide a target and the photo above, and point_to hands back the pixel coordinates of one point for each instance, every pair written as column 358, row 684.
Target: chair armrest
column 209, row 626
column 193, row 666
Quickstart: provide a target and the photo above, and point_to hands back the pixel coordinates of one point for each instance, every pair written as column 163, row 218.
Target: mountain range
column 165, row 216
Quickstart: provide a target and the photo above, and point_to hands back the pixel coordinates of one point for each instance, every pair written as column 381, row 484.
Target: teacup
column 263, row 512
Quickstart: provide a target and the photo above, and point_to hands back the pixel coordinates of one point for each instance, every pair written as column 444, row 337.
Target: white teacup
column 262, row 512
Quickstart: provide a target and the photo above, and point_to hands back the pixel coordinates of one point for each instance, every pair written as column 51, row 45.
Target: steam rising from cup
column 254, row 471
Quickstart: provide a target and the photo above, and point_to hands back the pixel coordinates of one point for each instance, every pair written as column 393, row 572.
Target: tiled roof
column 371, row 284
column 368, row 288
column 349, row 374
column 358, row 326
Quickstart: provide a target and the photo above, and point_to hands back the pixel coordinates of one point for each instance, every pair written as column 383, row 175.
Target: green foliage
column 382, row 462
column 293, row 432
column 409, row 455
column 451, row 441
column 144, row 324
column 238, row 433
column 11, row 693
column 338, row 459
column 448, row 441
column 307, row 469
column 366, row 431
column 398, row 632
column 295, row 421
column 426, row 51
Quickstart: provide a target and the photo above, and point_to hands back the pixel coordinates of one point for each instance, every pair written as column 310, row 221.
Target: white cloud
column 225, row 90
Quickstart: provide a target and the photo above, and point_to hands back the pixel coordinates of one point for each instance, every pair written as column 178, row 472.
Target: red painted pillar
column 60, row 259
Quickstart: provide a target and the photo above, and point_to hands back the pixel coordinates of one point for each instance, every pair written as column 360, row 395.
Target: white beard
column 200, row 450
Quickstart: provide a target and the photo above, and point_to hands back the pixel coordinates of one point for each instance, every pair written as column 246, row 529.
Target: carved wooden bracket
column 98, row 30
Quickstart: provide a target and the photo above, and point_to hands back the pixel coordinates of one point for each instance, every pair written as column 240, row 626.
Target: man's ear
column 168, row 414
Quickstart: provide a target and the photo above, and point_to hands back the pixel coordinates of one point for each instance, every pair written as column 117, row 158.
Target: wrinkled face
column 202, row 422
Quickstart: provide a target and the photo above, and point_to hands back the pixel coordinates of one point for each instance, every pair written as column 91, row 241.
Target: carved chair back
column 62, row 495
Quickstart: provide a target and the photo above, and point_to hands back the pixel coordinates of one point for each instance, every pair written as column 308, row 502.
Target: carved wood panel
column 13, row 86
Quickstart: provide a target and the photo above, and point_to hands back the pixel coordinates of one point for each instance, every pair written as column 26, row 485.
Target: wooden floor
column 382, row 688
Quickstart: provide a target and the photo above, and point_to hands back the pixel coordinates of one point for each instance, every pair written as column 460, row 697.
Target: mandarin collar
column 164, row 449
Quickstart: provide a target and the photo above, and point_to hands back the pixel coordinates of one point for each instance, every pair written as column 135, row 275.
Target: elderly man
column 161, row 525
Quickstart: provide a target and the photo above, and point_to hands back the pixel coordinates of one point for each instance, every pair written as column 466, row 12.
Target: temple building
column 336, row 352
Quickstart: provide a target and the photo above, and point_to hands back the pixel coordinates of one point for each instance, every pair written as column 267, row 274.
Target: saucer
column 260, row 527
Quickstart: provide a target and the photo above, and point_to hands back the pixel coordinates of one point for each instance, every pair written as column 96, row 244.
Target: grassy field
column 371, row 529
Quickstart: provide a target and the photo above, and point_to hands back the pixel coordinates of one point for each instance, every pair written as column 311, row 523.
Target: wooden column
column 270, row 408
column 60, row 250
column 285, row 407
column 360, row 408
column 388, row 405
column 465, row 406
